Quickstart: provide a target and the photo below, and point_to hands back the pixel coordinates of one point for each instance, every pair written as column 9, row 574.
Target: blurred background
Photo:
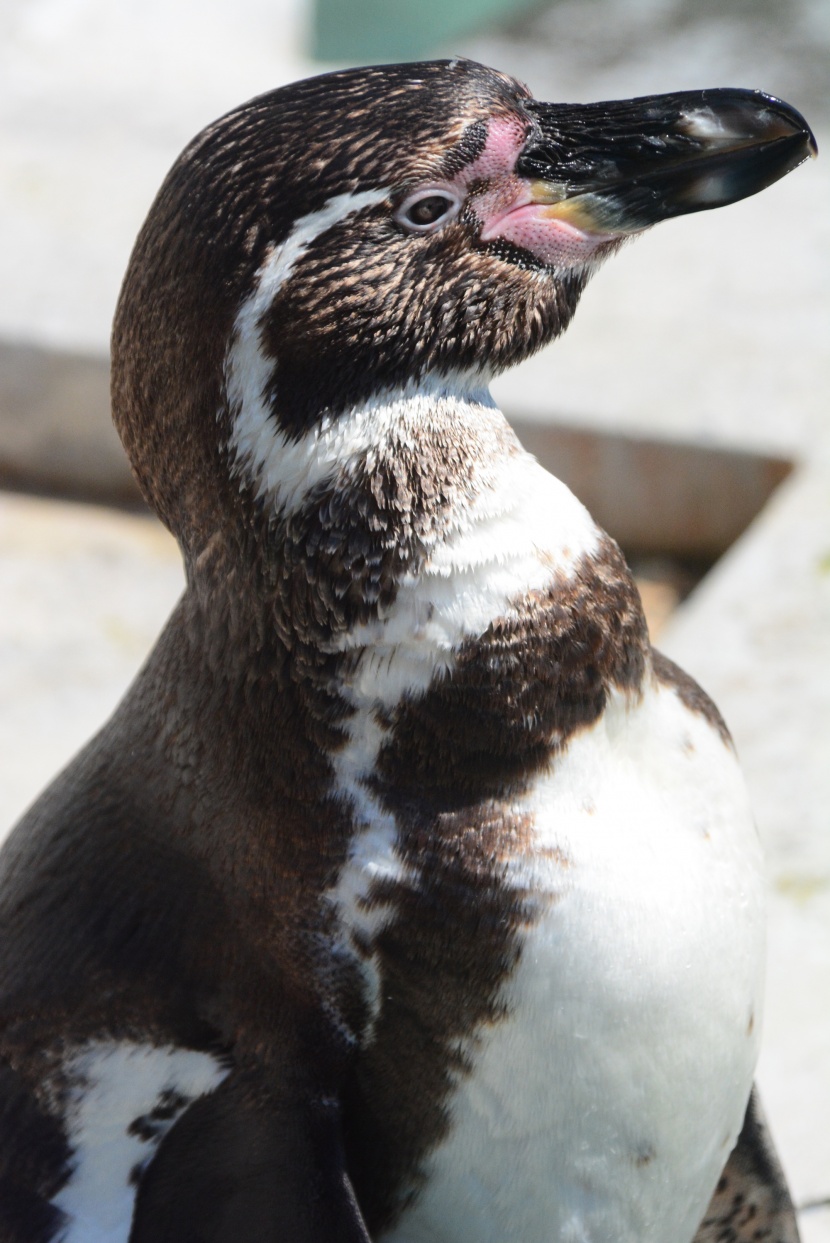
column 687, row 405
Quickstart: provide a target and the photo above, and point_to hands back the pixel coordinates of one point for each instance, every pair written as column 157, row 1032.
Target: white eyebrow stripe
column 248, row 369
column 283, row 258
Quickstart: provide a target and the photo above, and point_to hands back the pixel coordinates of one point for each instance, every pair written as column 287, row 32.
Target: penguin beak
column 612, row 169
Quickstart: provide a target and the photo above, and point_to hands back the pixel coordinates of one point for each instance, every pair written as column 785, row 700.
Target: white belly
column 604, row 1107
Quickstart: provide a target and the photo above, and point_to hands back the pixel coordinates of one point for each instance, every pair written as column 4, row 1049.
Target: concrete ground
column 712, row 329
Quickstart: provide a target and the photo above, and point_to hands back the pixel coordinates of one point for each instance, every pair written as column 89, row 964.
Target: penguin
column 409, row 894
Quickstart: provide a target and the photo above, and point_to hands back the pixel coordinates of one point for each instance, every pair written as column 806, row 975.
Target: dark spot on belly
column 170, row 1103
column 556, row 855
column 151, row 1126
column 142, row 1128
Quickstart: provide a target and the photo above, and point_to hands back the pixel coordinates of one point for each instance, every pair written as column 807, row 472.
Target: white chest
column 604, row 1106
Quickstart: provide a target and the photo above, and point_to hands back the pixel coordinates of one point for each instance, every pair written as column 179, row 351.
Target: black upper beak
column 621, row 166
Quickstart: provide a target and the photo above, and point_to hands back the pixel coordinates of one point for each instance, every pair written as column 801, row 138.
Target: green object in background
column 367, row 31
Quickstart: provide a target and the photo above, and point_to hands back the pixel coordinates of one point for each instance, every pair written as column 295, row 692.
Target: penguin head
column 386, row 229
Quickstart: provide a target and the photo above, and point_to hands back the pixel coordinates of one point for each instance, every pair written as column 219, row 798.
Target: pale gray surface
column 56, row 434
column 714, row 327
column 85, row 592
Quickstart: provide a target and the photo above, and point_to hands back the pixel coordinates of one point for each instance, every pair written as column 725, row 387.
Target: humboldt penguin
column 409, row 894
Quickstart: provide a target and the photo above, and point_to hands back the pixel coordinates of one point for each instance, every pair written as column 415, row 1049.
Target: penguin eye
column 429, row 209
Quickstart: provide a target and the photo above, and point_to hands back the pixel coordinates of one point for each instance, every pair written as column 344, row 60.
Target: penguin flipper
column 751, row 1202
column 239, row 1165
column 34, row 1161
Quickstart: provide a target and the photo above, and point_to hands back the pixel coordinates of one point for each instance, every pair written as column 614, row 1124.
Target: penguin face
column 393, row 267
column 458, row 220
column 375, row 230
column 417, row 279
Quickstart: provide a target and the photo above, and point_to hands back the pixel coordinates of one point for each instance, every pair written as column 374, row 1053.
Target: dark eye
column 427, row 210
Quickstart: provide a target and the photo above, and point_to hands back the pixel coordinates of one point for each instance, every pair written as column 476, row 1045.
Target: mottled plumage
column 408, row 895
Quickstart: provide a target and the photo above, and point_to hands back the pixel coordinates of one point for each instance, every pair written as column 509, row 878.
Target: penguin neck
column 353, row 508
column 418, row 555
column 303, row 615
column 441, row 425
column 390, row 534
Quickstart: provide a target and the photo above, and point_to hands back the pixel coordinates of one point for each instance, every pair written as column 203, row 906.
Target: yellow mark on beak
column 546, row 192
column 574, row 211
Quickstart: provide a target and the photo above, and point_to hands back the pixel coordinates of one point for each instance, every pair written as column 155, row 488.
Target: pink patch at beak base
column 538, row 229
column 508, row 210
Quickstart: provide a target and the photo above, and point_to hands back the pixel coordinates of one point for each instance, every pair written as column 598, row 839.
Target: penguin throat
column 441, row 414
